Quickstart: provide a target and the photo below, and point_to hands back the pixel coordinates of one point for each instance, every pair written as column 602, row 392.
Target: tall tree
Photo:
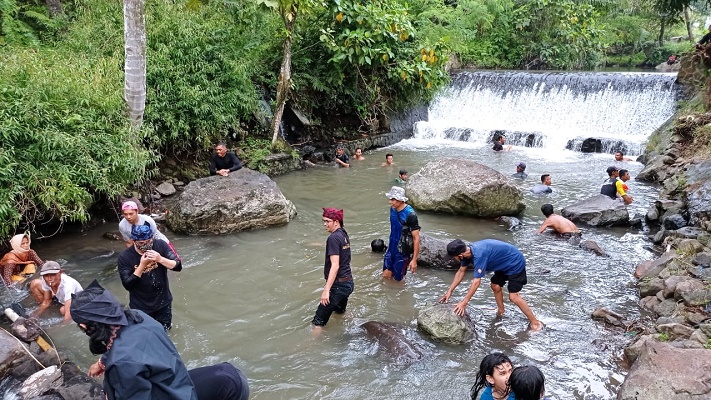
column 134, row 33
column 287, row 11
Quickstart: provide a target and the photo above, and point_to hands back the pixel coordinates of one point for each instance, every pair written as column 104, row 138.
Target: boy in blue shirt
column 508, row 265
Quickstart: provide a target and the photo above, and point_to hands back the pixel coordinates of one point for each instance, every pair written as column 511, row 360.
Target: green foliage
column 659, row 54
column 26, row 22
column 200, row 69
column 63, row 138
column 255, row 151
column 663, row 337
column 376, row 58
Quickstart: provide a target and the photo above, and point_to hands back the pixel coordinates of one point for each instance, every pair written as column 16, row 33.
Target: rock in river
column 245, row 199
column 463, row 187
column 598, row 210
column 442, row 324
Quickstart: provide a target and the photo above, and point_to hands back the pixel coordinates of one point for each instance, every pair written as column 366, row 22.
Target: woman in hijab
column 19, row 258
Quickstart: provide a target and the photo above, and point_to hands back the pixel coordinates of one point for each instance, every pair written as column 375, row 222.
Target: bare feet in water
column 537, row 326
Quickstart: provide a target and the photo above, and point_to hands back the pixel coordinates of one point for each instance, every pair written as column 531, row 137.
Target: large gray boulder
column 664, row 372
column 463, row 187
column 245, row 199
column 442, row 324
column 598, row 210
column 698, row 191
column 433, row 253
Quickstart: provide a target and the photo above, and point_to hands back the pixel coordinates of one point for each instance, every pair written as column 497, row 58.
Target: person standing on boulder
column 508, row 265
column 336, row 270
column 223, row 162
column 143, row 269
column 402, row 253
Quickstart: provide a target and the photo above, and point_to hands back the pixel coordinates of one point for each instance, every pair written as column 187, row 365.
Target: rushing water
column 555, row 110
column 248, row 298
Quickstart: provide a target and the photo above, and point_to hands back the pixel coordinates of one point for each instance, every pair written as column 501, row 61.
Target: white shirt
column 125, row 228
column 67, row 287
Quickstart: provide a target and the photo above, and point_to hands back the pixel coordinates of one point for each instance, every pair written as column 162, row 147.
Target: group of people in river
column 138, row 359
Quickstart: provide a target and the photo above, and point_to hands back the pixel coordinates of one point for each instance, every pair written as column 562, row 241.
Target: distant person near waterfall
column 544, row 187
column 520, row 171
column 499, row 144
column 619, row 157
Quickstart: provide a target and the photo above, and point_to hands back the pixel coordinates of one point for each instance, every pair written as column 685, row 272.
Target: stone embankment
column 671, row 356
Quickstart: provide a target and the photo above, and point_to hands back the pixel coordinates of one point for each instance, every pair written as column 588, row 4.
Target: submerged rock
column 464, row 187
column 511, row 223
column 591, row 245
column 41, row 382
column 392, row 340
column 244, row 199
column 442, row 324
column 662, row 371
column 598, row 210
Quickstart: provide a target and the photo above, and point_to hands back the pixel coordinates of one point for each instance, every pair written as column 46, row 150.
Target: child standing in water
column 493, row 376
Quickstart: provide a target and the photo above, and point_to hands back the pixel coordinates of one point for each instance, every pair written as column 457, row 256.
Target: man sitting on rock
column 223, row 162
column 508, row 265
column 544, row 187
column 54, row 287
column 520, row 171
column 563, row 226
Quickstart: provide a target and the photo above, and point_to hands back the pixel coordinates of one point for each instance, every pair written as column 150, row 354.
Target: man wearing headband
column 139, row 361
column 143, row 269
column 403, row 220
column 336, row 269
column 504, row 260
column 131, row 217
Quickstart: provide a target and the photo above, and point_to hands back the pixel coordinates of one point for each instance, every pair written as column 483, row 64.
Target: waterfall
column 581, row 111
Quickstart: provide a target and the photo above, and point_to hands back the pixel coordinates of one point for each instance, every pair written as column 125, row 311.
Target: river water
column 248, row 298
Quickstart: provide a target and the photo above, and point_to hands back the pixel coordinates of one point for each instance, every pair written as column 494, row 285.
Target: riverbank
column 671, row 357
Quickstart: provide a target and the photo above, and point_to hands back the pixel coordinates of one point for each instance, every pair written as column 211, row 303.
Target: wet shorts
column 516, row 281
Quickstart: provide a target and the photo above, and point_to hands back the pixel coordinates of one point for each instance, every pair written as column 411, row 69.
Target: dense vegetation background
column 65, row 141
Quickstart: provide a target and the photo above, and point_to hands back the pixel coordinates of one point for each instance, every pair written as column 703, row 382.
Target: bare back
column 559, row 224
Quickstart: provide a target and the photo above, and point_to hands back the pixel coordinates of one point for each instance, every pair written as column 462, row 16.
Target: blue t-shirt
column 494, row 255
column 487, row 395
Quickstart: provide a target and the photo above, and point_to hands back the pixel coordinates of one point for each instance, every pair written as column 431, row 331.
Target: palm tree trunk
column 134, row 23
column 687, row 19
column 661, row 33
column 282, row 95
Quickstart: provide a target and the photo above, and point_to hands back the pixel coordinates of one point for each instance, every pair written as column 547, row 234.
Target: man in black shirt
column 499, row 144
column 342, row 157
column 143, row 269
column 223, row 162
column 336, row 269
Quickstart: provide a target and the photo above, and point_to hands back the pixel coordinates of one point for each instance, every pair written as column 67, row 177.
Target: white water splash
column 558, row 109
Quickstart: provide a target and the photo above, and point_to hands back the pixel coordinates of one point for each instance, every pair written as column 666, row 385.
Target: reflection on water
column 248, row 298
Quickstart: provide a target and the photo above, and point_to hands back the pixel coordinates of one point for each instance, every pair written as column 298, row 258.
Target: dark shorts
column 338, row 300
column 516, row 281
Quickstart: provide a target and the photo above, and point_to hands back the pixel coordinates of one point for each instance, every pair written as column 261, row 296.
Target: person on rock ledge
column 223, row 162
column 508, row 265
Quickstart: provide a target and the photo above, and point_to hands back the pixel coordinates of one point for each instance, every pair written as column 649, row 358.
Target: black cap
column 611, row 169
column 456, row 247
